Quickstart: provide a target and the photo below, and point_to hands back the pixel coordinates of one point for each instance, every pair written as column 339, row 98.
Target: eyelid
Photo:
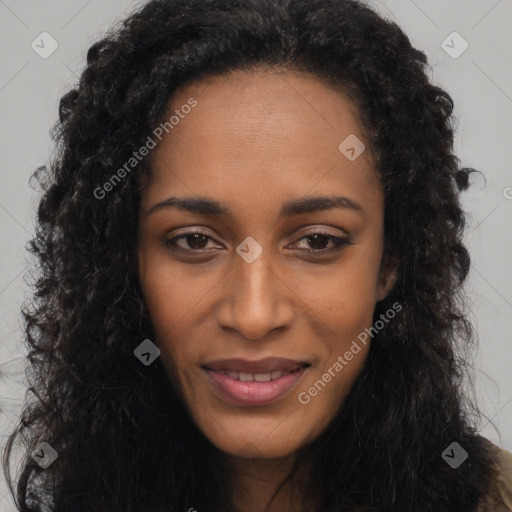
column 189, row 230
column 308, row 230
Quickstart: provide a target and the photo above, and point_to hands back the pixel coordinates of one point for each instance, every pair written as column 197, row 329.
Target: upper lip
column 265, row 365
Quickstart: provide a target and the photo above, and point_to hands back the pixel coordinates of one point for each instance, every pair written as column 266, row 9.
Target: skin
column 255, row 140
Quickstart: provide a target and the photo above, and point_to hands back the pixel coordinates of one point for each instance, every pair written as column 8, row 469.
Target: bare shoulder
column 499, row 497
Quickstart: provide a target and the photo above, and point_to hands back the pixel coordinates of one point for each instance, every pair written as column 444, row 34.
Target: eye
column 197, row 241
column 318, row 240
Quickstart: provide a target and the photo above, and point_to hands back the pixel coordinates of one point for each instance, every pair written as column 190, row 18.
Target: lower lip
column 253, row 393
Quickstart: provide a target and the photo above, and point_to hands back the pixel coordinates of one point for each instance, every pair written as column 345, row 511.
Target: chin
column 253, row 448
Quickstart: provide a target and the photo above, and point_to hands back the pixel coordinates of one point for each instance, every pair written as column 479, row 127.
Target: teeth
column 262, row 377
column 258, row 377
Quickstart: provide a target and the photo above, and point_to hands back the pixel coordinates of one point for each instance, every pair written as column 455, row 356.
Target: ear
column 387, row 276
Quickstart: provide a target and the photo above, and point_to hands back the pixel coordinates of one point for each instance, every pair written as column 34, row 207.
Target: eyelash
column 339, row 243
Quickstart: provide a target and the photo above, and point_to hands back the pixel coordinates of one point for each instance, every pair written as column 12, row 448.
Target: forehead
column 263, row 134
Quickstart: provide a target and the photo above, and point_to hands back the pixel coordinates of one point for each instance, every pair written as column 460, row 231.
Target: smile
column 252, row 389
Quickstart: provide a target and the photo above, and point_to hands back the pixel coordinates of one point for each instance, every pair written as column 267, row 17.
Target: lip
column 268, row 364
column 249, row 394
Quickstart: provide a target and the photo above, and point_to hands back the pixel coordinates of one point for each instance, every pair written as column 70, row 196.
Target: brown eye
column 192, row 241
column 319, row 241
column 197, row 242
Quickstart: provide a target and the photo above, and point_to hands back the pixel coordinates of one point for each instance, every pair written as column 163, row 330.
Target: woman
column 251, row 255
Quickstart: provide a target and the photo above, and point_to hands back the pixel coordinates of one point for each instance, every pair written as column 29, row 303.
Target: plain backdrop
column 479, row 79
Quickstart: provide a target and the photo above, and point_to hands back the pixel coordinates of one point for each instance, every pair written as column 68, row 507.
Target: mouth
column 270, row 380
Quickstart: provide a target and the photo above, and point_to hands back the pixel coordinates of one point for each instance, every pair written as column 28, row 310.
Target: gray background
column 479, row 80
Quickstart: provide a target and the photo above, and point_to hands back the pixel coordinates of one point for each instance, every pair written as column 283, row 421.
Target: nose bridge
column 256, row 283
column 256, row 300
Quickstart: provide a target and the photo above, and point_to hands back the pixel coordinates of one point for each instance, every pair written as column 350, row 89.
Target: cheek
column 344, row 300
column 170, row 303
column 169, row 291
column 169, row 299
column 343, row 307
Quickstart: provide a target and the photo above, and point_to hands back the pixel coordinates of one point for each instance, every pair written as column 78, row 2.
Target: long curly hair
column 124, row 438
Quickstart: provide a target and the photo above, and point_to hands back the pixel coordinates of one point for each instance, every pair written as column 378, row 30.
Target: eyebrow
column 207, row 206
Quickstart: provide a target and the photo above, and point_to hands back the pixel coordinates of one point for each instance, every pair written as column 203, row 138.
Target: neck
column 256, row 480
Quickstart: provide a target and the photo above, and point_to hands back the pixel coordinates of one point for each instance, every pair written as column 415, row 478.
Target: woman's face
column 259, row 281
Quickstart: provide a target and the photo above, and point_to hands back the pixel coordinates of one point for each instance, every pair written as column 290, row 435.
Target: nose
column 255, row 300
